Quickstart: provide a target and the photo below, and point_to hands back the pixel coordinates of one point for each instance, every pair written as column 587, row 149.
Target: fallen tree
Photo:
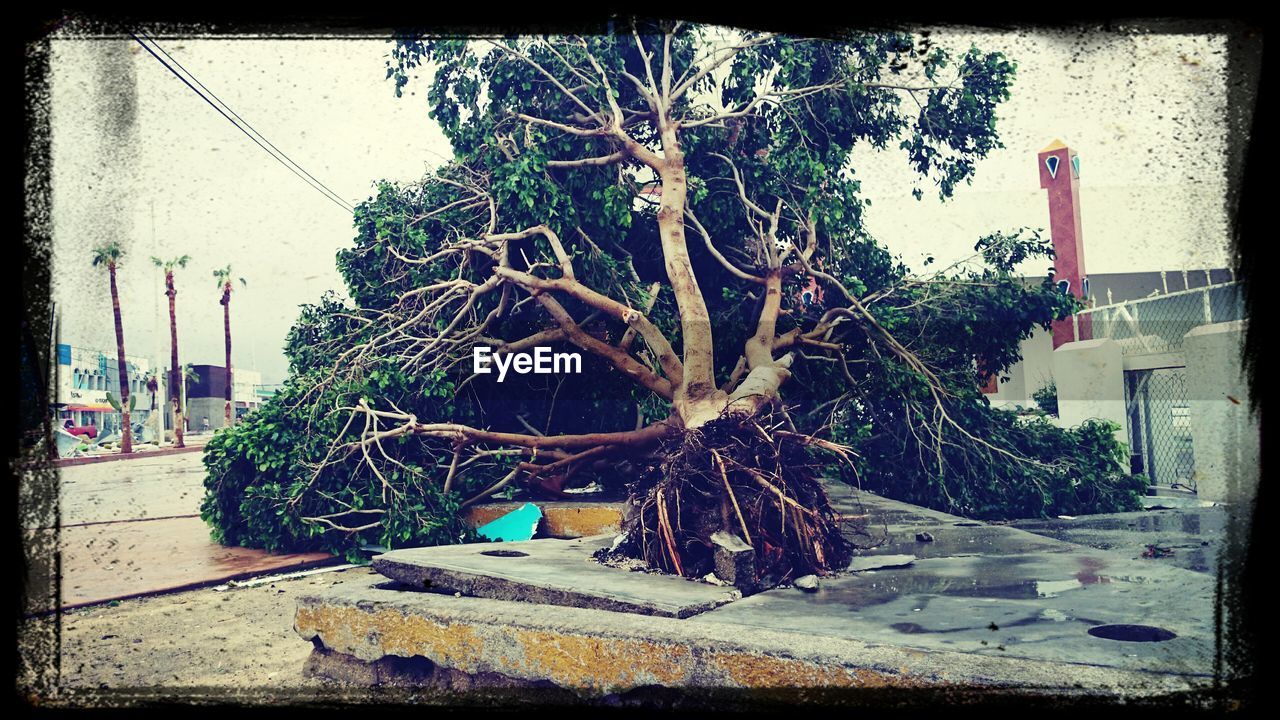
column 678, row 204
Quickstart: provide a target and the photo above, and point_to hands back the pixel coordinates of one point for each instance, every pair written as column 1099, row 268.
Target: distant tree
column 175, row 371
column 224, row 282
column 1047, row 398
column 109, row 254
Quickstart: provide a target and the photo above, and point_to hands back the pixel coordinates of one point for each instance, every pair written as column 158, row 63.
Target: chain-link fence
column 1158, row 324
column 1160, row 426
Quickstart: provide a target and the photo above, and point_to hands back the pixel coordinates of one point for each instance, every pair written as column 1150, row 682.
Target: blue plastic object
column 517, row 525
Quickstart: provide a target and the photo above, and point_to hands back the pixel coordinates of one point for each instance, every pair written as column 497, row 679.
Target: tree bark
column 122, row 368
column 175, row 376
column 226, row 324
column 696, row 399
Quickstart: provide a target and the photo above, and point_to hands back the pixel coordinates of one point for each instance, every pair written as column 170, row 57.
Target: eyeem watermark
column 540, row 362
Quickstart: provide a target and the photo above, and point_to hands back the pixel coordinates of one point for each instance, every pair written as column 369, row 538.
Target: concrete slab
column 881, row 511
column 552, row 572
column 950, row 540
column 597, row 652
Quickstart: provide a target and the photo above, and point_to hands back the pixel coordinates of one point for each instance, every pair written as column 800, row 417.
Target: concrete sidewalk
column 115, row 561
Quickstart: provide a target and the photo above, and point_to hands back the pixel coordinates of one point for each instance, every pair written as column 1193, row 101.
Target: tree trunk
column 697, row 400
column 175, row 376
column 226, row 323
column 126, row 435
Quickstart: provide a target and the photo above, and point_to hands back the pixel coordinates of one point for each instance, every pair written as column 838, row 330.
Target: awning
column 91, row 408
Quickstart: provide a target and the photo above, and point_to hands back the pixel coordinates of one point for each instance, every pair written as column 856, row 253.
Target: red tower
column 1060, row 176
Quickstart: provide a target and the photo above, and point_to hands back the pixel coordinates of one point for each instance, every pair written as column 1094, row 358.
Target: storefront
column 85, row 377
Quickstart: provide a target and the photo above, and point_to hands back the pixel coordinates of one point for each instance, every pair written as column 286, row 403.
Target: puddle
column 505, row 553
column 1132, row 633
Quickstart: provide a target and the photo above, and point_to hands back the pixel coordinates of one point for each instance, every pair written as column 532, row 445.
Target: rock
column 735, row 561
column 807, row 583
column 924, row 537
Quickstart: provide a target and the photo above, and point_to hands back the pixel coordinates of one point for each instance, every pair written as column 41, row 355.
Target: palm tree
column 175, row 374
column 109, row 253
column 189, row 376
column 224, row 281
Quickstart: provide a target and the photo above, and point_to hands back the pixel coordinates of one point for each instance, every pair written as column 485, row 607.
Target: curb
column 70, row 462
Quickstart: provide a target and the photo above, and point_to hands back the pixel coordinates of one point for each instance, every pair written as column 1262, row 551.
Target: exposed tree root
column 741, row 477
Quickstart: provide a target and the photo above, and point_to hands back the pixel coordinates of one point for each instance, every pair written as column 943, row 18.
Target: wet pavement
column 134, row 489
column 1039, row 606
column 119, row 560
column 1190, row 538
column 1030, row 589
column 131, row 528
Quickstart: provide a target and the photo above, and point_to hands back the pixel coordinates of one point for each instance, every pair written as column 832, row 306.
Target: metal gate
column 1160, row 426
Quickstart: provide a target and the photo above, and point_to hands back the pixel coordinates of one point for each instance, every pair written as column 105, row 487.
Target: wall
column 1032, row 372
column 1090, row 379
column 212, row 408
column 1226, row 435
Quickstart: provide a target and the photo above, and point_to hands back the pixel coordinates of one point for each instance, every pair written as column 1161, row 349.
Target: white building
column 86, row 375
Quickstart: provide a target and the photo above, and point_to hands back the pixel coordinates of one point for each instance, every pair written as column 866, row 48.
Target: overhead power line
column 250, row 132
column 242, row 120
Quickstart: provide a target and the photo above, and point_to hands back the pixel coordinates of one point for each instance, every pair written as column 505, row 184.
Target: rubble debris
column 735, row 561
column 923, row 536
column 807, row 583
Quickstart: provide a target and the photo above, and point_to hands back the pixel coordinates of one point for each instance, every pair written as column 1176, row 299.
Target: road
column 130, row 490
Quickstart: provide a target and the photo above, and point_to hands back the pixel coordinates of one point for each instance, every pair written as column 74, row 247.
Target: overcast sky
column 140, row 157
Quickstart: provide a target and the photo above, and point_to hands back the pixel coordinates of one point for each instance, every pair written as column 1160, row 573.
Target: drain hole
column 1132, row 633
column 505, row 553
